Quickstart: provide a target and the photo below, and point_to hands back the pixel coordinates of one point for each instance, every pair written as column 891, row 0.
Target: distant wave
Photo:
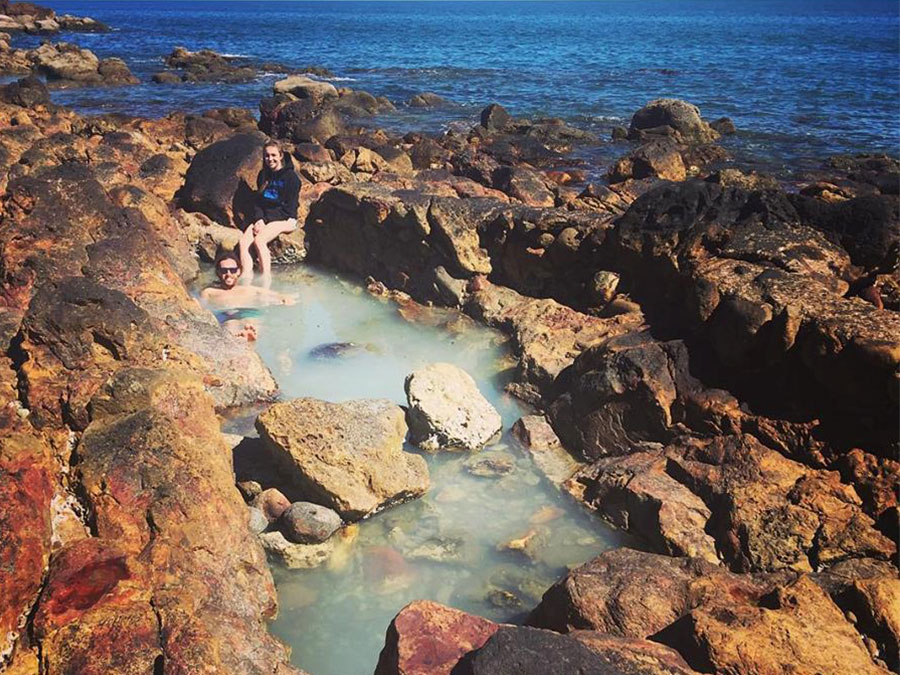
column 450, row 72
column 337, row 78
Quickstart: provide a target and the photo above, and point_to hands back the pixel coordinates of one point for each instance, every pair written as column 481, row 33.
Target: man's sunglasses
column 222, row 271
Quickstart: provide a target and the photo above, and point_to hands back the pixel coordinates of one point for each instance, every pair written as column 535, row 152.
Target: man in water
column 237, row 306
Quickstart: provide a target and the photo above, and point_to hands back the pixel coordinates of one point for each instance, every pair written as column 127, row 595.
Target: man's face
column 228, row 272
column 272, row 158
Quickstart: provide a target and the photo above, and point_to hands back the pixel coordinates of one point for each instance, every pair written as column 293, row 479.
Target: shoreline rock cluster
column 718, row 356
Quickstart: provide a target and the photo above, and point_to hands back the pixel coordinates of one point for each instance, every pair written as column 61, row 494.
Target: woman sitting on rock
column 236, row 307
column 277, row 199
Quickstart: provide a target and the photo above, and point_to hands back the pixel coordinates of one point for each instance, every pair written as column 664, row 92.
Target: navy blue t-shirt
column 277, row 196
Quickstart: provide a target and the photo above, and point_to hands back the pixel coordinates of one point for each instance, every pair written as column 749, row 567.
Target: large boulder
column 221, row 181
column 671, row 117
column 521, row 650
column 771, row 513
column 165, row 509
column 347, row 456
column 634, row 594
column 65, row 64
column 656, row 159
column 636, row 494
column 301, row 86
column 300, row 120
column 766, row 293
column 631, row 391
column 796, row 629
column 426, row 638
column 446, row 411
column 548, row 335
column 718, row 621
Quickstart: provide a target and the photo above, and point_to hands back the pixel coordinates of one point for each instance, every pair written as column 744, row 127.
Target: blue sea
column 802, row 79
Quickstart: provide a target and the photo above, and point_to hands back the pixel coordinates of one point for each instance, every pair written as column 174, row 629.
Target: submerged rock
column 296, row 556
column 537, row 437
column 338, row 350
column 348, row 456
column 446, row 410
column 490, row 465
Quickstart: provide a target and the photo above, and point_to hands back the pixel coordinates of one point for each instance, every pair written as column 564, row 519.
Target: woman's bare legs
column 267, row 233
column 244, row 251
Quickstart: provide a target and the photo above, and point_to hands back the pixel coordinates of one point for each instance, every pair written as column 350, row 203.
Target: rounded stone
column 308, row 523
column 258, row 521
column 272, row 503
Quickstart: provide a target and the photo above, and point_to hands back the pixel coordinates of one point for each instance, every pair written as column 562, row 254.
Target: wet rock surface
column 206, row 65
column 347, row 456
column 446, row 411
column 307, row 523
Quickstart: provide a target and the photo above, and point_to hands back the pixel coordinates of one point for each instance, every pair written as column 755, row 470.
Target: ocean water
column 802, row 79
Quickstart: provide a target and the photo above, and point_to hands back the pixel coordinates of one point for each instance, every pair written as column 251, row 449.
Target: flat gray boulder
column 446, row 410
column 347, row 456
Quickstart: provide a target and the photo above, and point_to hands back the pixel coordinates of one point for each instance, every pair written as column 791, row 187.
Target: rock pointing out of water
column 446, row 410
column 347, row 456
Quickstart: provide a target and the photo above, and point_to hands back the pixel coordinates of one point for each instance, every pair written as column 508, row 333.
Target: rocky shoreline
column 717, row 355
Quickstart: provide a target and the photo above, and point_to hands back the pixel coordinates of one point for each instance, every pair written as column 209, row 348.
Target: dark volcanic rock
column 867, row 226
column 27, row 92
column 206, row 65
column 765, row 292
column 221, row 181
column 531, row 651
column 631, row 390
column 301, row 121
column 671, row 117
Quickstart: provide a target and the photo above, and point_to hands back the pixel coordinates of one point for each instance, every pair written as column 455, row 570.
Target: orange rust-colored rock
column 26, row 488
column 426, row 638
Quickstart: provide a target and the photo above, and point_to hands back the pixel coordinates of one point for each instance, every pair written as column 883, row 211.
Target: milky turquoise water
column 802, row 79
column 487, row 545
